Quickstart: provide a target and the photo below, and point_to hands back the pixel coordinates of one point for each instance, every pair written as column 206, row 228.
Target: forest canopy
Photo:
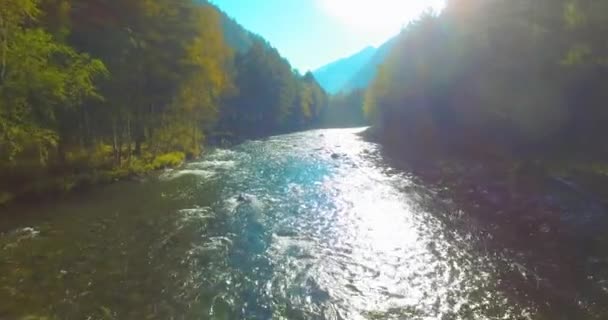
column 119, row 85
column 525, row 77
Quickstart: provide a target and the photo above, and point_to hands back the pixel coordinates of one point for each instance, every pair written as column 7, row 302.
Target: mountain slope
column 334, row 76
column 235, row 35
column 354, row 72
column 366, row 74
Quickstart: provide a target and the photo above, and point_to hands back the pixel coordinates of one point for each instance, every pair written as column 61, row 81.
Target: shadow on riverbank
column 39, row 184
column 551, row 222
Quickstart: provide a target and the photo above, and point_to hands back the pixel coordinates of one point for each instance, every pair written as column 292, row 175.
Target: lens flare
column 380, row 18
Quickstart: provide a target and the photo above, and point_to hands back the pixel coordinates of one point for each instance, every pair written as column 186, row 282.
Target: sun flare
column 378, row 18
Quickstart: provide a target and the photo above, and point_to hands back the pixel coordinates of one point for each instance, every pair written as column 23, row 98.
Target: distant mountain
column 367, row 73
column 354, row 72
column 336, row 75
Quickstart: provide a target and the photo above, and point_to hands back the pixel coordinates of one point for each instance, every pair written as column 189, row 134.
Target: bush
column 140, row 167
column 168, row 160
column 5, row 197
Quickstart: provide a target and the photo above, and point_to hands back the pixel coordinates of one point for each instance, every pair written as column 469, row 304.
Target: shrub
column 168, row 160
column 5, row 197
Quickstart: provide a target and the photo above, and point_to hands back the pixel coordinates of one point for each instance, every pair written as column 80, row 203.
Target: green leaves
column 270, row 96
column 14, row 12
column 138, row 77
column 40, row 77
column 516, row 73
column 573, row 15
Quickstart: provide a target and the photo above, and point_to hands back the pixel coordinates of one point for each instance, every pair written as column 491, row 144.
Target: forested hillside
column 523, row 79
column 355, row 72
column 114, row 88
column 336, row 75
column 366, row 74
column 344, row 110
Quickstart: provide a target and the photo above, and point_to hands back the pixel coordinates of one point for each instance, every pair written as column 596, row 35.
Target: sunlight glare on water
column 311, row 225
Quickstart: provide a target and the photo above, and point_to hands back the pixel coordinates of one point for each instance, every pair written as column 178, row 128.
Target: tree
column 516, row 75
column 268, row 94
column 41, row 79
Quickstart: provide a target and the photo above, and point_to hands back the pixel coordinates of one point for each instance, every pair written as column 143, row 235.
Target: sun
column 377, row 18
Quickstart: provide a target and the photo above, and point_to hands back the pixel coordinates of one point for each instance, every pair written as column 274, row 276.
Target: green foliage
column 345, row 110
column 175, row 135
column 5, row 197
column 270, row 96
column 126, row 87
column 32, row 317
column 39, row 79
column 516, row 75
column 69, row 112
column 168, row 160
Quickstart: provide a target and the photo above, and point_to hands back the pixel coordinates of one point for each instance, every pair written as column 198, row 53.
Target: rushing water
column 312, row 225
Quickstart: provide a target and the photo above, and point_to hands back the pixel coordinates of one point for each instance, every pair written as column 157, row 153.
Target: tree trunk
column 119, row 150
column 87, row 136
column 194, row 141
column 129, row 140
column 115, row 147
column 4, row 39
column 139, row 135
column 137, row 146
column 61, row 158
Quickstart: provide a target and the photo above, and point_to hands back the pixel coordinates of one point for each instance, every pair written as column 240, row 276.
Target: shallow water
column 312, row 225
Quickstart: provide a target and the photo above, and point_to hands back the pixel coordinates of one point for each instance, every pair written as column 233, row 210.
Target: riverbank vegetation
column 521, row 82
column 499, row 106
column 99, row 90
column 344, row 110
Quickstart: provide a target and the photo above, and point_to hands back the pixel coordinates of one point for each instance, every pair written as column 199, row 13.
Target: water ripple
column 310, row 225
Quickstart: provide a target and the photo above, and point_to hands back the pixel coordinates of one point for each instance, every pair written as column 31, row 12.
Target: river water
column 312, row 225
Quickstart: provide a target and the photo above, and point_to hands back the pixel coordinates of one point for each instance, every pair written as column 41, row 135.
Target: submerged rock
column 286, row 233
column 335, row 156
column 243, row 198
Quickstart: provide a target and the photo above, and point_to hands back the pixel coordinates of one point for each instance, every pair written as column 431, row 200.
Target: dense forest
column 106, row 89
column 100, row 89
column 344, row 110
column 498, row 79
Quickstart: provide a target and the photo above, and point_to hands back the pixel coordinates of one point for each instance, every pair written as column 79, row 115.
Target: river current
column 311, row 225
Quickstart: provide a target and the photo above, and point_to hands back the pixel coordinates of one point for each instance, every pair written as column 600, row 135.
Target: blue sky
column 312, row 33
